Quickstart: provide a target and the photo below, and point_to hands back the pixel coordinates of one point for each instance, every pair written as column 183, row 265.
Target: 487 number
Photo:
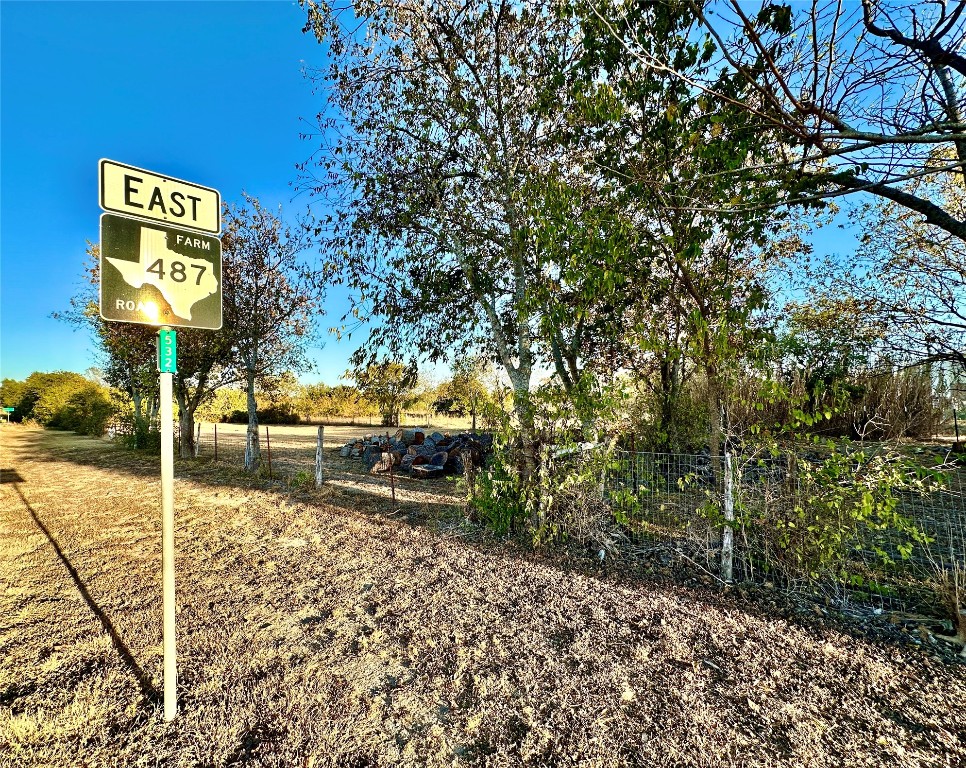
column 177, row 272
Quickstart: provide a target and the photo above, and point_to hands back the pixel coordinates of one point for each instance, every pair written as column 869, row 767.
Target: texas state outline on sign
column 183, row 281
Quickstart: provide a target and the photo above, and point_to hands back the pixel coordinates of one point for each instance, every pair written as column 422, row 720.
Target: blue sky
column 210, row 92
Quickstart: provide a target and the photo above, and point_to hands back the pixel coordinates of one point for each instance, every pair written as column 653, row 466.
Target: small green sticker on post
column 167, row 351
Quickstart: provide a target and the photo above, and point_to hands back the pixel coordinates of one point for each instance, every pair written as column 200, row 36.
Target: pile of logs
column 420, row 453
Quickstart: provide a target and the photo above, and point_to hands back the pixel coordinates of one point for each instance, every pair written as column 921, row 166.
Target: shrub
column 498, row 500
column 50, row 395
column 680, row 424
column 139, row 434
column 574, row 508
column 222, row 404
column 278, row 414
column 828, row 505
column 88, row 410
column 274, row 414
column 896, row 405
column 67, row 400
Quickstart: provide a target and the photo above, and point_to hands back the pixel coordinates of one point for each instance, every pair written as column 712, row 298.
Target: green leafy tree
column 46, row 394
column 451, row 118
column 467, row 389
column 801, row 77
column 280, row 390
column 862, row 97
column 270, row 302
column 88, row 410
column 12, row 393
column 221, row 405
column 390, row 384
column 671, row 154
column 321, row 400
column 67, row 400
column 911, row 275
column 826, row 343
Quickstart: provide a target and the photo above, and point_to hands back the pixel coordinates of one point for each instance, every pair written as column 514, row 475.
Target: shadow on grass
column 344, row 484
column 10, row 476
column 143, row 679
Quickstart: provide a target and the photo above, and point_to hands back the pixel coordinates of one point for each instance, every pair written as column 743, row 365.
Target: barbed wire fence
column 285, row 454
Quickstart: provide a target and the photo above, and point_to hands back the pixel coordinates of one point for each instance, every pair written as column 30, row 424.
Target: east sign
column 143, row 194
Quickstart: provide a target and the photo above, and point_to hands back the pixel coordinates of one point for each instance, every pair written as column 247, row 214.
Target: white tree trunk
column 253, row 453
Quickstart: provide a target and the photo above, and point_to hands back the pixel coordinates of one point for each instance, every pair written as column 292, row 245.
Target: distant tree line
column 87, row 405
column 61, row 400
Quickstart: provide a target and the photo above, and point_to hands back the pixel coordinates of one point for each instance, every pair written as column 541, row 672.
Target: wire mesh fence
column 896, row 554
column 776, row 516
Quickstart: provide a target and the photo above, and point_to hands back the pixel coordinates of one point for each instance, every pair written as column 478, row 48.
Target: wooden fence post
column 318, row 457
column 198, row 441
column 469, row 473
column 216, row 441
column 392, row 480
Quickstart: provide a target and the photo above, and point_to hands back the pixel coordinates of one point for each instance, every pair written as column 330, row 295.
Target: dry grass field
column 319, row 629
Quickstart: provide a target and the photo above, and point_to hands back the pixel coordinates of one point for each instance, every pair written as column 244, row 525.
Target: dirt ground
column 323, row 629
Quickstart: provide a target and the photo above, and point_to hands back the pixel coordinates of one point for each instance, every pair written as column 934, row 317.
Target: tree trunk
column 141, row 425
column 153, row 406
column 186, row 422
column 527, row 460
column 716, row 407
column 138, row 407
column 668, row 397
column 253, row 453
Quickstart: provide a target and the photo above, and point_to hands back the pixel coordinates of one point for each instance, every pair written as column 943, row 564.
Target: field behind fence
column 285, row 451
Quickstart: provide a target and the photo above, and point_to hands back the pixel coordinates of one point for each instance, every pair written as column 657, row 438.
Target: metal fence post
column 216, row 441
column 318, row 457
column 727, row 533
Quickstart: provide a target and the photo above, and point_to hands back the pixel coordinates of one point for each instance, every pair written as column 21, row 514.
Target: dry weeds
column 315, row 633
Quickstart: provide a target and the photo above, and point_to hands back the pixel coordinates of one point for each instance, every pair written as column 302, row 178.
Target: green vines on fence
column 830, row 508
